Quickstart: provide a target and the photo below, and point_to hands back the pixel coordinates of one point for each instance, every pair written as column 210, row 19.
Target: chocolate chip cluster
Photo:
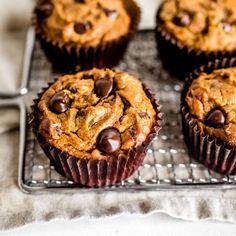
column 184, row 18
column 109, row 140
column 45, row 9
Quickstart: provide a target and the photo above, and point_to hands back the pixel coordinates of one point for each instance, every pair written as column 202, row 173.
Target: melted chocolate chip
column 82, row 27
column 183, row 19
column 44, row 9
column 60, row 102
column 216, row 118
column 111, row 14
column 109, row 140
column 104, row 86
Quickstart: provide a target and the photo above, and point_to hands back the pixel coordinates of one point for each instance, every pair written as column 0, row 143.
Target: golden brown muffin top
column 95, row 114
column 211, row 99
column 206, row 25
column 83, row 22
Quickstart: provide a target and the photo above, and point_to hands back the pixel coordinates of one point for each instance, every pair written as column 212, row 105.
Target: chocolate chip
column 45, row 127
column 79, row 114
column 60, row 102
column 216, row 118
column 44, row 9
column 104, row 86
column 133, row 131
column 228, row 12
column 183, row 19
column 73, row 89
column 49, row 129
column 80, row 1
column 82, row 27
column 109, row 140
column 99, row 5
column 206, row 28
column 111, row 14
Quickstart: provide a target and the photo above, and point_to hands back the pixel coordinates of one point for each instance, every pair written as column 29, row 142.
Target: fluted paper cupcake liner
column 214, row 153
column 178, row 58
column 96, row 173
column 71, row 57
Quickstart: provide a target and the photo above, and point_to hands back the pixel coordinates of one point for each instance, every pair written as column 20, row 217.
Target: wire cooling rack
column 167, row 164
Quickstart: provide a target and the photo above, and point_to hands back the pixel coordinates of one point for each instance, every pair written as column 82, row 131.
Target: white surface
column 149, row 9
column 158, row 224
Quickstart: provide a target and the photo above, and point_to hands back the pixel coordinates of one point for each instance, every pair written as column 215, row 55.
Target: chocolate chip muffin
column 198, row 30
column 85, row 33
column 209, row 118
column 96, row 119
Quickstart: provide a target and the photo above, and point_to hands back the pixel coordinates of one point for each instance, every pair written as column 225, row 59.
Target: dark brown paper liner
column 74, row 57
column 178, row 58
column 214, row 153
column 96, row 173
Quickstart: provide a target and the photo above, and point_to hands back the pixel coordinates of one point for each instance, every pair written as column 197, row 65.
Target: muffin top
column 211, row 100
column 96, row 114
column 82, row 22
column 206, row 25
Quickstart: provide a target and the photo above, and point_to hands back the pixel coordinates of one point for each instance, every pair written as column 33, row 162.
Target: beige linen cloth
column 17, row 208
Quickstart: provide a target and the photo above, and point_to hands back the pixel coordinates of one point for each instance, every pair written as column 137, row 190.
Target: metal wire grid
column 167, row 163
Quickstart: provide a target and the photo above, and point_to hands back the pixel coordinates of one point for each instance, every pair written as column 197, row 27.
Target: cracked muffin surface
column 83, row 22
column 206, row 25
column 211, row 100
column 96, row 114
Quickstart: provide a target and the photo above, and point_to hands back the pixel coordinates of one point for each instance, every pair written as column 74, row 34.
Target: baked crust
column 205, row 25
column 215, row 92
column 125, row 108
column 86, row 23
